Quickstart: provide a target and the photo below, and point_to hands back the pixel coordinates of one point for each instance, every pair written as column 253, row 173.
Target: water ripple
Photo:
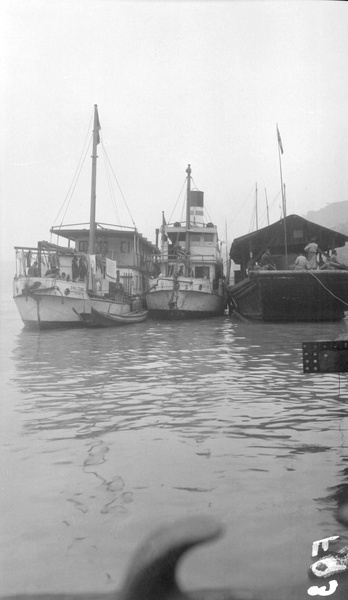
column 138, row 425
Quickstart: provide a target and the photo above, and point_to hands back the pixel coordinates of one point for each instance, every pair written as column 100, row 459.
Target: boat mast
column 281, row 151
column 188, row 212
column 96, row 140
column 267, row 209
column 256, row 209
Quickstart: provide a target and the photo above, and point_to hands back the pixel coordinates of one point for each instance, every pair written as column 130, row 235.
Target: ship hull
column 180, row 303
column 50, row 304
column 291, row 295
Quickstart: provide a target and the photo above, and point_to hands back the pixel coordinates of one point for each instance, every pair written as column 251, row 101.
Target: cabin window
column 102, row 248
column 297, row 234
column 208, row 237
column 202, row 272
column 195, row 239
column 125, row 247
column 83, row 246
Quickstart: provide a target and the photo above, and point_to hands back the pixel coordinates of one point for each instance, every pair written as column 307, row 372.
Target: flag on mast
column 96, row 123
column 280, row 141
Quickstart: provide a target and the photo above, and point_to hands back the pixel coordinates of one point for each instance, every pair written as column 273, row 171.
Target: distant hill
column 334, row 216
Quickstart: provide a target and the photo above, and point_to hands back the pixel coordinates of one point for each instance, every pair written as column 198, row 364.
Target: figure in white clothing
column 301, row 263
column 312, row 250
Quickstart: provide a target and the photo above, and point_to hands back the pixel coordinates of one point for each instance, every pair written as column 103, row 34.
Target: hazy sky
column 175, row 82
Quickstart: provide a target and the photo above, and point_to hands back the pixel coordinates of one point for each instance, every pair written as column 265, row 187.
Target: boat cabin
column 123, row 250
column 133, row 253
column 285, row 239
column 192, row 245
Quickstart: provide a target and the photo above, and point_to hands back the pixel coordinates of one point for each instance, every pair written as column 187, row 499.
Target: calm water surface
column 107, row 434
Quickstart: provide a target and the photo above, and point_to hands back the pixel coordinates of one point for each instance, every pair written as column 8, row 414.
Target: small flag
column 163, row 228
column 97, row 124
column 280, row 141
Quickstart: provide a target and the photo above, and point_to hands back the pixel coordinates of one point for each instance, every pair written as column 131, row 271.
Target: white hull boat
column 57, row 286
column 184, row 298
column 190, row 281
column 49, row 303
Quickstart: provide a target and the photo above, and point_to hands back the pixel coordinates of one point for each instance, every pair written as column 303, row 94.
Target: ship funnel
column 196, row 207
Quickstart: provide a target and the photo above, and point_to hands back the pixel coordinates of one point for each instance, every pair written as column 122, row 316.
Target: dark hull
column 101, row 319
column 180, row 315
column 291, row 295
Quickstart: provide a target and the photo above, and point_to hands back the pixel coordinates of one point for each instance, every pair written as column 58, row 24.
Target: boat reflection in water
column 111, row 436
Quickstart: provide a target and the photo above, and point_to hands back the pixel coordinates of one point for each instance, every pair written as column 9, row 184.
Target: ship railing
column 45, row 257
column 192, row 257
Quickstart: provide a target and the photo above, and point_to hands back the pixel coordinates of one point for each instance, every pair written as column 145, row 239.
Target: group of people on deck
column 79, row 268
column 310, row 262
column 306, row 260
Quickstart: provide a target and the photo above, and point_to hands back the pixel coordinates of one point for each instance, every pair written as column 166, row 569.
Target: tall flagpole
column 188, row 217
column 281, row 151
column 96, row 140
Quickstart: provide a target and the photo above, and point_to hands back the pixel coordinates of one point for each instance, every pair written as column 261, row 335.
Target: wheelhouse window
column 83, row 246
column 195, row 239
column 125, row 247
column 202, row 272
column 208, row 237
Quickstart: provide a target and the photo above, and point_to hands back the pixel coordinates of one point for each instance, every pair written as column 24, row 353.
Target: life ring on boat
column 177, row 285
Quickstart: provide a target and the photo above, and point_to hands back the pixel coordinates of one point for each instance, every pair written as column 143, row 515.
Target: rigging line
column 197, row 189
column 275, row 199
column 264, row 212
column 209, row 217
column 205, row 209
column 118, row 185
column 252, row 221
column 240, row 208
column 75, row 184
column 333, row 295
column 111, row 190
column 177, row 200
column 194, row 183
column 78, row 168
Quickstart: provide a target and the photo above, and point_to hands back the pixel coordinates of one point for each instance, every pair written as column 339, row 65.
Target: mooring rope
column 327, row 289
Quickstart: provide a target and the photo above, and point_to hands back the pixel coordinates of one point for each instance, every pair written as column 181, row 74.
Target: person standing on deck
column 312, row 250
column 75, row 268
column 82, row 268
column 33, row 271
